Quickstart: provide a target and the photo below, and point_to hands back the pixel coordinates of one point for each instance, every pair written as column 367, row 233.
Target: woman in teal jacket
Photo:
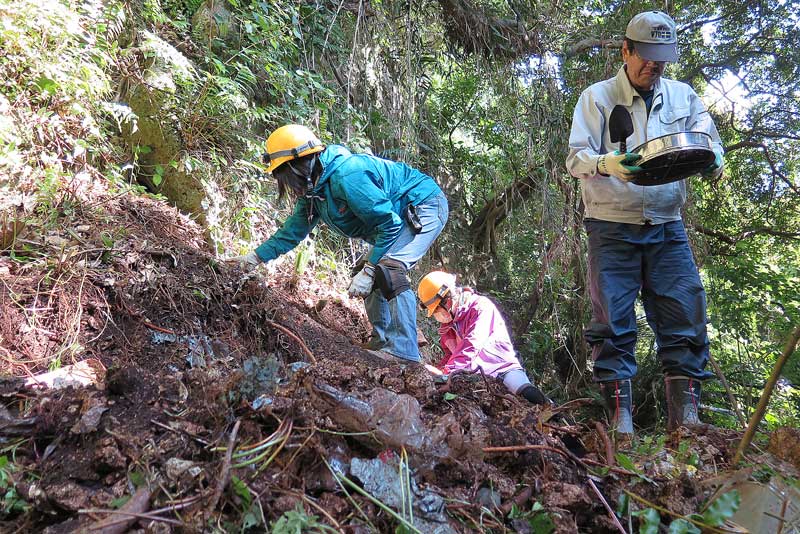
column 397, row 209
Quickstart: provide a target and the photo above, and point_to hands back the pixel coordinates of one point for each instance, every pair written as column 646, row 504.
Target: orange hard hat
column 433, row 287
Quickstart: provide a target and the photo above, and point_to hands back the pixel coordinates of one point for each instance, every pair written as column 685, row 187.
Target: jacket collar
column 625, row 91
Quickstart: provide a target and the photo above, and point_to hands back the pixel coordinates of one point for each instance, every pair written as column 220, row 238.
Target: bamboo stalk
column 761, row 409
column 731, row 398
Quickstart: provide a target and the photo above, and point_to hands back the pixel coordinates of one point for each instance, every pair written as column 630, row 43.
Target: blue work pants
column 626, row 259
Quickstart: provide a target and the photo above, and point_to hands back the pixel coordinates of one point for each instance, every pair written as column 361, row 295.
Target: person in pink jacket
column 473, row 335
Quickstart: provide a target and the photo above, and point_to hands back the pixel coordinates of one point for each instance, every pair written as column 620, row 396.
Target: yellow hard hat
column 290, row 142
column 433, row 287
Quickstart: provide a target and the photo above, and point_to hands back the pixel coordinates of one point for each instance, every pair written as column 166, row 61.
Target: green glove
column 715, row 169
column 619, row 165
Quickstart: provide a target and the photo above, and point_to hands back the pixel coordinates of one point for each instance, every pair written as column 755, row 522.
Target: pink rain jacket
column 477, row 339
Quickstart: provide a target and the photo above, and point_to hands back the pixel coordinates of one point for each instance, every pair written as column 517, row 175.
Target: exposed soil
column 190, row 364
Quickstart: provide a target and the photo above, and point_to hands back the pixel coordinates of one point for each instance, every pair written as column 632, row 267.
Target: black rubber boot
column 619, row 402
column 533, row 395
column 683, row 401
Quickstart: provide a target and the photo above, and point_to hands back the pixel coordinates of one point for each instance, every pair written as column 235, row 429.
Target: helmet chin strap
column 307, row 176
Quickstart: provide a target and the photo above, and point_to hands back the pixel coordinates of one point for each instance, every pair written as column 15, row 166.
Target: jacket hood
column 331, row 158
column 463, row 303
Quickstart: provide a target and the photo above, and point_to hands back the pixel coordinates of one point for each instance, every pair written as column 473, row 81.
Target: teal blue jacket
column 356, row 195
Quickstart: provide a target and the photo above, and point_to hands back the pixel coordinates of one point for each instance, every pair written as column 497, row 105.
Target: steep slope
column 188, row 346
column 242, row 400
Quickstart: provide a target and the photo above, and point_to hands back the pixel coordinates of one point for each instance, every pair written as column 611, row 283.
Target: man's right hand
column 619, row 165
column 247, row 262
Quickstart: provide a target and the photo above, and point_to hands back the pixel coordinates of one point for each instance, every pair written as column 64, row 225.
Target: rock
column 69, row 496
column 488, row 498
column 67, row 527
column 177, row 468
column 566, row 496
column 285, row 503
column 90, row 420
column 84, row 373
column 784, row 443
column 155, row 136
column 213, row 23
column 109, row 459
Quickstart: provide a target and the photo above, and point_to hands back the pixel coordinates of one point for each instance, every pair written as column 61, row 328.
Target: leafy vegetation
column 12, row 503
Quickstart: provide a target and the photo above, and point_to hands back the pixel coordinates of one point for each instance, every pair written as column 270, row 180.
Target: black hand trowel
column 620, row 126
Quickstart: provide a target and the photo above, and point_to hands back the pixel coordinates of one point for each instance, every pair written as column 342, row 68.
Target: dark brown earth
column 185, row 344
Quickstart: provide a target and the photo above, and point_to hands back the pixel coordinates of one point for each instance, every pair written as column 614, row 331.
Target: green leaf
column 625, row 462
column 450, row 396
column 682, row 526
column 46, row 85
column 623, row 506
column 542, row 524
column 119, row 502
column 722, row 508
column 649, row 521
column 137, row 478
column 241, row 489
column 252, row 519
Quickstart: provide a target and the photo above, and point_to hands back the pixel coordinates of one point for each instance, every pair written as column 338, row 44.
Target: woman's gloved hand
column 619, row 165
column 361, row 285
column 247, row 262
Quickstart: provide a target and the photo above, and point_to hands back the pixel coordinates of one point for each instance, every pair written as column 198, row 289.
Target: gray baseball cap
column 654, row 34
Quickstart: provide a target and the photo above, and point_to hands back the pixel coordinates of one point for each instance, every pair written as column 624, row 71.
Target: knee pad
column 391, row 278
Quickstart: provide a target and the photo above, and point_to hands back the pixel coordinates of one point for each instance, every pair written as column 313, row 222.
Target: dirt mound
column 225, row 401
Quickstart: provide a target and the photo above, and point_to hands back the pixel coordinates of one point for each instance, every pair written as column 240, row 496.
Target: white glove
column 248, row 262
column 361, row 285
column 619, row 165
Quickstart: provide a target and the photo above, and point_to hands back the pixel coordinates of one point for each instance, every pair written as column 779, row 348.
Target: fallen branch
column 135, row 508
column 601, row 431
column 521, row 448
column 574, row 403
column 295, row 337
column 151, row 326
column 608, row 508
column 225, row 472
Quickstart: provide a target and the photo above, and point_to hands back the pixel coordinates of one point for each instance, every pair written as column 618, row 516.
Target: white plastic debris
column 83, row 373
